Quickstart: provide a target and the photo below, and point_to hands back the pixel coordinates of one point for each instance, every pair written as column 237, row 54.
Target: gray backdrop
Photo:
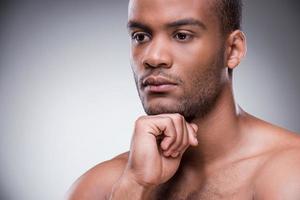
column 68, row 99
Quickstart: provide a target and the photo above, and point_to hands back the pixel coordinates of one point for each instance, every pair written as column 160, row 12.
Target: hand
column 157, row 146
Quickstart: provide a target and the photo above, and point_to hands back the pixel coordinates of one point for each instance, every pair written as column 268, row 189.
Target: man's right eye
column 140, row 37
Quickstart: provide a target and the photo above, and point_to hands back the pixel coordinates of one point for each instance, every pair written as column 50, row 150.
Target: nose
column 158, row 54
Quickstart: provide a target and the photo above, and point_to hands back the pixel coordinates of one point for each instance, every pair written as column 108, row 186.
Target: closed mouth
column 157, row 81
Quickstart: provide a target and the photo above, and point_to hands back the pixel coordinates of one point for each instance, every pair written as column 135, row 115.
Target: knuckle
column 168, row 120
column 140, row 120
column 178, row 116
column 179, row 119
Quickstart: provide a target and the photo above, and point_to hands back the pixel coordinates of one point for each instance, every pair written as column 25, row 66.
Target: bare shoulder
column 98, row 181
column 279, row 177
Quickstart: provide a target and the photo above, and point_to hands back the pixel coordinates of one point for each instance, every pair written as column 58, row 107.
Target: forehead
column 164, row 11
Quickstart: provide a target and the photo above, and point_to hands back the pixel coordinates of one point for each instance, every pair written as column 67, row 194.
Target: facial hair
column 198, row 99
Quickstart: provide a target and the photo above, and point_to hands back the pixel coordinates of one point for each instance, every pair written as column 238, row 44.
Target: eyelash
column 136, row 34
column 188, row 36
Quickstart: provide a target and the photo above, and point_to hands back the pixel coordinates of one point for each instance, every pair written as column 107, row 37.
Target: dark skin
column 187, row 149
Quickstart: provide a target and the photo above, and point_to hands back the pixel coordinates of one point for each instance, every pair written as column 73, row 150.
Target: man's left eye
column 182, row 36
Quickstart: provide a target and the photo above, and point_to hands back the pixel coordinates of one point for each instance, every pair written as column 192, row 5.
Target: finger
column 179, row 122
column 192, row 137
column 192, row 130
column 176, row 154
column 161, row 126
column 185, row 140
column 194, row 126
column 157, row 127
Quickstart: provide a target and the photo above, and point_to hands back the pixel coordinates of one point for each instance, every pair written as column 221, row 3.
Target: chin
column 162, row 107
column 168, row 109
column 190, row 111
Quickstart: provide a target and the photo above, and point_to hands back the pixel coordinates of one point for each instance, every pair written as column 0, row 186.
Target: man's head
column 182, row 53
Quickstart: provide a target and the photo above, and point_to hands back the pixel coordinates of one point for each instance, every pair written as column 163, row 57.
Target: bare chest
column 207, row 192
column 228, row 184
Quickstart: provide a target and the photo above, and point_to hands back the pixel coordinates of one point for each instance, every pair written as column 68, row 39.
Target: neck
column 218, row 132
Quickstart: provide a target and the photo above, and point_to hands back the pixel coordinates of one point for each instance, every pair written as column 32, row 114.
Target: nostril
column 147, row 65
column 157, row 62
column 155, row 65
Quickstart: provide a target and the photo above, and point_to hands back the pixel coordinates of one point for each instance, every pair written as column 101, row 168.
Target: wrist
column 128, row 188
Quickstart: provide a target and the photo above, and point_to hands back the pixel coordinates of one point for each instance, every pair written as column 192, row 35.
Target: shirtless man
column 195, row 143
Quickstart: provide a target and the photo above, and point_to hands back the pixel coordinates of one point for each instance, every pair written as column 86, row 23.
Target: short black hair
column 230, row 14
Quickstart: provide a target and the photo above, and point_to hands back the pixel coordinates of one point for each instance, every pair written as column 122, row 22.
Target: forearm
column 127, row 189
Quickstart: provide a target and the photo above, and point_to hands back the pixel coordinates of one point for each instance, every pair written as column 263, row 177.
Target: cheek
column 193, row 65
column 134, row 59
column 197, row 64
column 196, row 54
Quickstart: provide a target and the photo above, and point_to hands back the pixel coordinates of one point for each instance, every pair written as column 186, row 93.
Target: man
column 195, row 142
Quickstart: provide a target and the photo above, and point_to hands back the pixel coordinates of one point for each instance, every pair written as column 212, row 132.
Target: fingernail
column 174, row 155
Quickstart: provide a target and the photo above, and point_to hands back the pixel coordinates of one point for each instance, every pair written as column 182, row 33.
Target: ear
column 236, row 48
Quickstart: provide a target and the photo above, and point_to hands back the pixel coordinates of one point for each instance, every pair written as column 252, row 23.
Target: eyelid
column 189, row 34
column 140, row 32
column 184, row 32
column 133, row 34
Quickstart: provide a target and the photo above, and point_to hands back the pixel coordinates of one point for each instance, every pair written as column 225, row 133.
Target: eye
column 140, row 37
column 182, row 36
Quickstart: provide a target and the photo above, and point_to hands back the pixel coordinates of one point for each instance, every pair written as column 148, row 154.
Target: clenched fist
column 157, row 146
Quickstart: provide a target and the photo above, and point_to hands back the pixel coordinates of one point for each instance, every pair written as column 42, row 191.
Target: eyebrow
column 138, row 25
column 182, row 22
column 187, row 22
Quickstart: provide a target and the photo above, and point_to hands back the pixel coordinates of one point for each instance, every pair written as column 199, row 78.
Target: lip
column 158, row 84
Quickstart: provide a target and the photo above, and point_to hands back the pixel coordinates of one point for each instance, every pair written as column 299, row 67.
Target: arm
column 126, row 188
column 98, row 181
column 106, row 182
column 157, row 146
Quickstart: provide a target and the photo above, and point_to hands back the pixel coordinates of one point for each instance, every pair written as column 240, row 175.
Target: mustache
column 172, row 78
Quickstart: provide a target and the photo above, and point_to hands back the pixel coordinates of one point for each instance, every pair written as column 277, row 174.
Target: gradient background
column 67, row 95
